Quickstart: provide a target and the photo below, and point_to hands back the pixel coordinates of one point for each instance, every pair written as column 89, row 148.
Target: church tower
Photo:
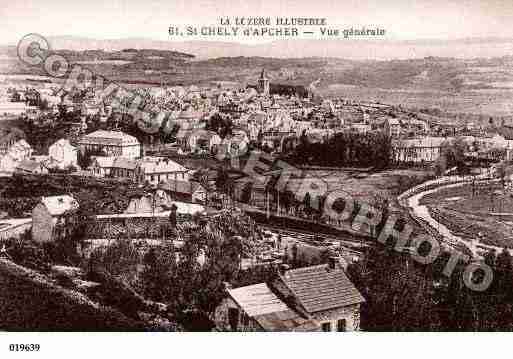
column 263, row 84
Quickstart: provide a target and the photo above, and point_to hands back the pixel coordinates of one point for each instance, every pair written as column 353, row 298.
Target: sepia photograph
column 221, row 166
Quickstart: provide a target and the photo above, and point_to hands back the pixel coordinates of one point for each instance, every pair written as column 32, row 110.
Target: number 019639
column 24, row 347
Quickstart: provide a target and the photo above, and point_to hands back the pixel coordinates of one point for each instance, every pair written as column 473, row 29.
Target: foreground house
column 51, row 218
column 316, row 298
column 256, row 308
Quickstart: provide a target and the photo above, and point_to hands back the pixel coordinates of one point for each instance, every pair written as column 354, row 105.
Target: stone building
column 316, row 298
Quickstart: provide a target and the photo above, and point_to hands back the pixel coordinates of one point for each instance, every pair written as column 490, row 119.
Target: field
column 366, row 186
column 493, row 102
column 474, row 216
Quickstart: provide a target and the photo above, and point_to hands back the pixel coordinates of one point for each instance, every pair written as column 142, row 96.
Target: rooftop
column 257, row 299
column 109, row 138
column 179, row 186
column 58, row 205
column 160, row 165
column 320, row 288
column 260, row 303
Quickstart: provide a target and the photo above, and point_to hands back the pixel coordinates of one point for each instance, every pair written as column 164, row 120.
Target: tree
column 454, row 153
column 307, row 202
column 440, row 166
column 158, row 273
column 504, row 273
column 222, row 179
column 172, row 216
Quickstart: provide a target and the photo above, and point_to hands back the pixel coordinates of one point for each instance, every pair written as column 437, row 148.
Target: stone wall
column 351, row 314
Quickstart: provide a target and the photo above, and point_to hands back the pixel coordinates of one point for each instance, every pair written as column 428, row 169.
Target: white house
column 7, row 165
column 20, row 150
column 424, row 149
column 392, row 127
column 111, row 143
column 101, row 166
column 157, row 169
column 63, row 154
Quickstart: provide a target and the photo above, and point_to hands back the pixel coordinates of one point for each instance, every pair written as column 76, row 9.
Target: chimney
column 284, row 268
column 333, row 262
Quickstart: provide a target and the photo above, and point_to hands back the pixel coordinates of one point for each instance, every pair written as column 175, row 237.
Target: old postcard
column 256, row 166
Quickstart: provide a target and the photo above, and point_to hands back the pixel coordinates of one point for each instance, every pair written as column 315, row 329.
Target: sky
column 402, row 19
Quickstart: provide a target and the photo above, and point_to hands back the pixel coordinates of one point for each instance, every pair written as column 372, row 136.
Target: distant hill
column 471, row 75
column 380, row 49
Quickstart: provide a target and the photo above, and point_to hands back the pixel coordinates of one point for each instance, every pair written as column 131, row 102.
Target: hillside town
column 160, row 220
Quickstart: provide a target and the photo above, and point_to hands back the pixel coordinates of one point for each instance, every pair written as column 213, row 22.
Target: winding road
column 411, row 201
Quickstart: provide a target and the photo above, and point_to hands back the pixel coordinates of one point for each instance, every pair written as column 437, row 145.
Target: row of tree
column 402, row 295
column 345, row 149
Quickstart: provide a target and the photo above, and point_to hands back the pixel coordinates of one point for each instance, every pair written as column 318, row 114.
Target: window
column 326, row 327
column 341, row 325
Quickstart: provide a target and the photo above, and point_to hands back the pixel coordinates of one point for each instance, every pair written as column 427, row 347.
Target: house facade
column 392, row 127
column 425, row 149
column 157, row 169
column 111, row 143
column 63, row 154
column 152, row 170
column 191, row 192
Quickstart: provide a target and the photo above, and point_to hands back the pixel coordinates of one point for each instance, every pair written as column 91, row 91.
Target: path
column 422, row 212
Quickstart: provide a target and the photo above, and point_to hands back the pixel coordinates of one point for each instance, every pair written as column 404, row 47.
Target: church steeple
column 263, row 83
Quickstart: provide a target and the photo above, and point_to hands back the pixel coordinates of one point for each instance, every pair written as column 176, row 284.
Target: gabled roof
column 320, row 288
column 109, row 138
column 125, row 163
column 28, row 165
column 64, row 143
column 160, row 165
column 180, row 186
column 272, row 314
column 257, row 299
